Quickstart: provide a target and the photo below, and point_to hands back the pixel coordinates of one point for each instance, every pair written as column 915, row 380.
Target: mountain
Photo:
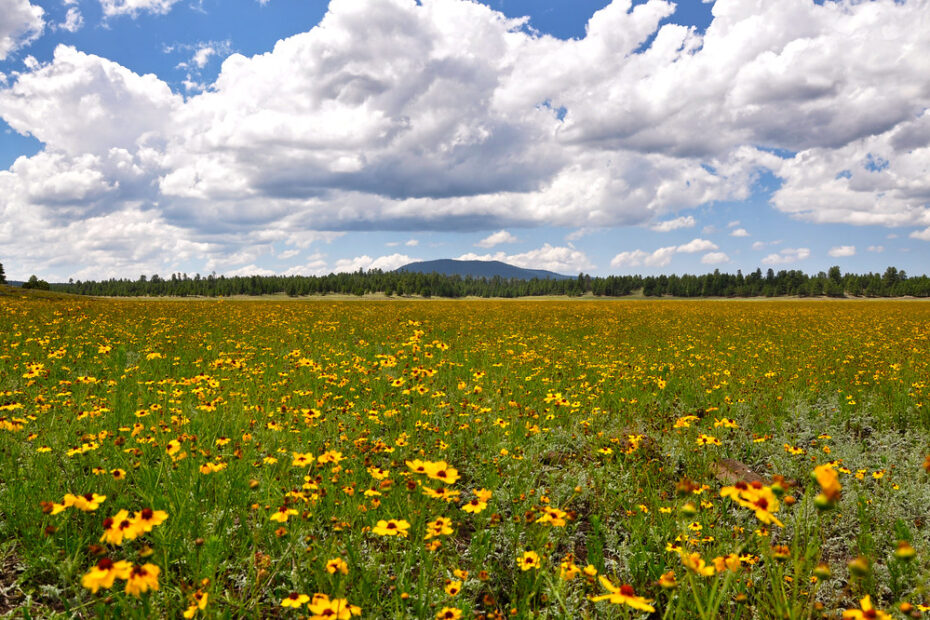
column 480, row 269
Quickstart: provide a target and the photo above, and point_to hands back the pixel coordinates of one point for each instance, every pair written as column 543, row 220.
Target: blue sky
column 289, row 136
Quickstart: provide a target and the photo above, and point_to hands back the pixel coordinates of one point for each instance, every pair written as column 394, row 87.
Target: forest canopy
column 833, row 283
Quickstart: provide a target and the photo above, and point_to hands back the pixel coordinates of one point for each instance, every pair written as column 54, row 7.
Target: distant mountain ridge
column 480, row 269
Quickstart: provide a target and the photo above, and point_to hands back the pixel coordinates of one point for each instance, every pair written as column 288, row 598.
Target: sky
column 245, row 137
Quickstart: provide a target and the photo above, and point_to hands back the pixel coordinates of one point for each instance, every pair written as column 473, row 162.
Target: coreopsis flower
column 282, row 514
column 449, row 613
column 377, row 473
column 696, row 564
column 474, row 505
column 88, row 502
column 707, row 440
column 392, row 527
column 417, row 466
column 729, row 562
column 302, row 460
column 337, row 565
column 147, row 518
column 624, row 595
column 444, row 493
column 117, row 528
column 866, row 611
column 324, row 608
column 552, row 516
column 440, row 470
column 756, row 497
column 568, row 570
column 198, row 603
column 529, row 560
column 330, row 456
column 294, row 600
column 105, row 573
column 142, row 579
column 668, row 581
column 453, row 587
column 440, row 526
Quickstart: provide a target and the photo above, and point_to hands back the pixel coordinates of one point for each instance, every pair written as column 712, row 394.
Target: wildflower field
column 414, row 459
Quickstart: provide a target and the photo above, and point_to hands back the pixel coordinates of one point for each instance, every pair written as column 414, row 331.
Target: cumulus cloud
column 878, row 249
column 739, row 232
column 786, row 256
column 74, row 21
column 842, row 251
column 674, row 224
column 444, row 114
column 696, row 245
column 80, row 103
column 715, row 258
column 662, row 256
column 560, row 259
column 133, row 8
column 365, row 262
column 501, row 236
column 21, row 23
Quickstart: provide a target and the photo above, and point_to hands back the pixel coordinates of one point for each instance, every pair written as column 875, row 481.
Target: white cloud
column 70, row 103
column 696, row 245
column 133, row 8
column 501, row 236
column 733, row 224
column 715, row 258
column 786, row 256
column 739, row 232
column 249, row 270
column 761, row 245
column 675, row 224
column 878, row 249
column 560, row 259
column 445, row 115
column 365, row 263
column 412, row 243
column 662, row 256
column 842, row 251
column 637, row 258
column 74, row 21
column 21, row 23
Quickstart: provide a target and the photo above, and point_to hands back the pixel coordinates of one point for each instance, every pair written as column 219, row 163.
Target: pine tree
column 2, row 275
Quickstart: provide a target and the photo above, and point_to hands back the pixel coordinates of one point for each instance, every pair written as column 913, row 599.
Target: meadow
column 447, row 459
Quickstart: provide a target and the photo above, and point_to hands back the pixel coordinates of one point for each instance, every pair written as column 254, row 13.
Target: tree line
column 833, row 283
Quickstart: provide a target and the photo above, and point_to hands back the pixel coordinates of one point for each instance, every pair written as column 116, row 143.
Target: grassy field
column 543, row 459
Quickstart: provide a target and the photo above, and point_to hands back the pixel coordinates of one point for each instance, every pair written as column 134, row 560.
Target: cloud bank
column 446, row 115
